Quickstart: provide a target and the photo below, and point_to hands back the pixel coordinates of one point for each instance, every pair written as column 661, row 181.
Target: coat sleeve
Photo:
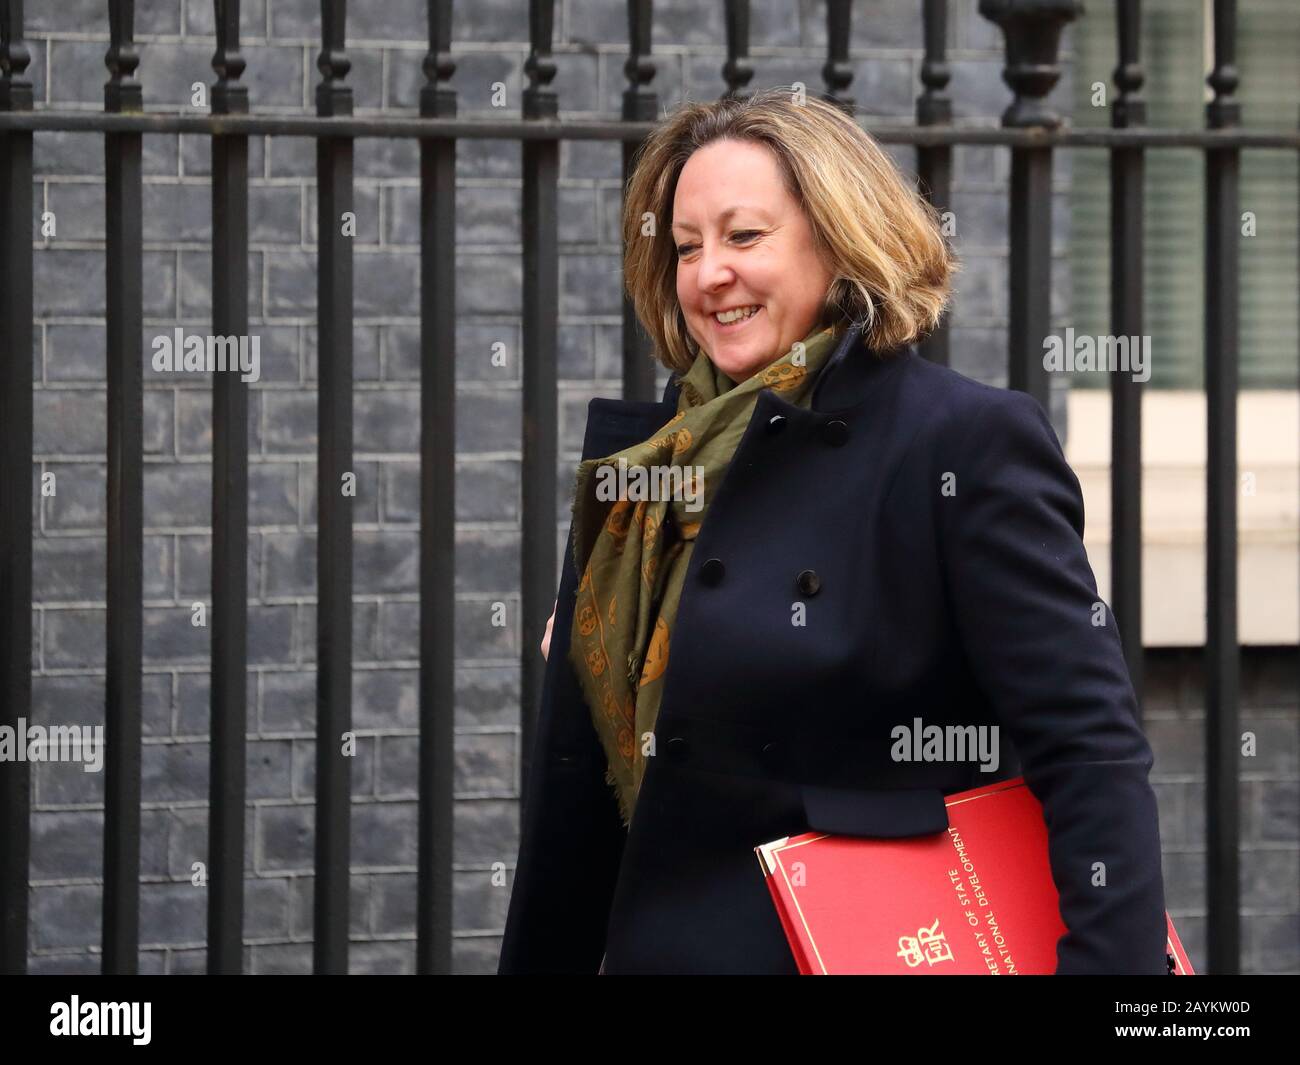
column 1046, row 651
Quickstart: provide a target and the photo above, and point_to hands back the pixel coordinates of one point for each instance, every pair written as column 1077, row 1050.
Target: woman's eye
column 744, row 235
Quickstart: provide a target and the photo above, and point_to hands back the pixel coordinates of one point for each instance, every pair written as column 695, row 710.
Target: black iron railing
column 1030, row 130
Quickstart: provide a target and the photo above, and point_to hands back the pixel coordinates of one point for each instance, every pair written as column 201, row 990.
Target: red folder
column 977, row 899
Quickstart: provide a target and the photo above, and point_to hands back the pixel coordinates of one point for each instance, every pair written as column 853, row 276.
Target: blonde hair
column 878, row 236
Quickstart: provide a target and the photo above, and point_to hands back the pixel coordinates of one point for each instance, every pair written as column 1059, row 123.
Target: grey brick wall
column 386, row 48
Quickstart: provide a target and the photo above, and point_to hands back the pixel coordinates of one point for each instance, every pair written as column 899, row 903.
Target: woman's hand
column 546, row 639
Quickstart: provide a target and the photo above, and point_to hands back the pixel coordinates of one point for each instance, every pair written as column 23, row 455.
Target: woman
column 877, row 540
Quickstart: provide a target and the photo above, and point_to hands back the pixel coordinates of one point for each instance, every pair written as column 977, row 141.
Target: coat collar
column 846, row 380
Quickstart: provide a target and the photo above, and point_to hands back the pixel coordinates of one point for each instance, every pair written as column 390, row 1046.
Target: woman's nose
column 715, row 269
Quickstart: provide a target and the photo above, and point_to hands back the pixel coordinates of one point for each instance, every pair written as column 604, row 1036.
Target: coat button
column 773, row 755
column 836, row 433
column 809, row 583
column 676, row 749
column 712, row 570
column 776, row 423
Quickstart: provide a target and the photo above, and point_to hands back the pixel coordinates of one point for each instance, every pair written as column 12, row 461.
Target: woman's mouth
column 740, row 322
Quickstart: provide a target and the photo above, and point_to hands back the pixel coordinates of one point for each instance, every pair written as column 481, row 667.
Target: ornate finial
column 539, row 98
column 122, row 92
column 229, row 94
column 1223, row 110
column 333, row 97
column 437, row 97
column 1130, row 108
column 1032, row 29
column 837, row 71
column 934, row 106
column 15, row 90
column 737, row 70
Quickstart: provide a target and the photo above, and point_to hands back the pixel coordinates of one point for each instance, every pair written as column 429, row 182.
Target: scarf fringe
column 624, row 806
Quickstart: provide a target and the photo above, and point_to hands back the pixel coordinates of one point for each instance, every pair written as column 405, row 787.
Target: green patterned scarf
column 636, row 515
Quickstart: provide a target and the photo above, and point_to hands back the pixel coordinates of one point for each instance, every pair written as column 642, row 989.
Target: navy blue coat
column 974, row 605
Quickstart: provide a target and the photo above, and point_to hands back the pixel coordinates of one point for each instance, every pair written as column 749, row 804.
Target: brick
column 1271, row 943
column 1268, row 879
column 266, row 907
column 194, row 423
column 173, row 913
column 196, row 153
column 174, row 772
column 489, row 283
column 193, row 703
column 196, row 287
column 488, row 421
column 177, row 212
column 275, row 214
column 75, row 352
column 386, row 421
column 284, row 838
column 385, row 698
column 156, row 711
column 192, row 962
column 288, row 702
column 364, row 623
column 302, row 905
column 398, row 773
column 1272, row 814
column 487, row 561
column 386, row 561
column 67, row 153
column 81, row 16
column 400, row 630
column 365, row 205
column 383, row 833
column 194, row 569
column 365, row 353
column 590, row 284
column 270, row 769
column 475, row 955
column 65, row 916
column 487, row 695
column 392, row 900
column 362, row 772
column 476, row 901
column 61, row 844
column 282, row 959
column 290, row 426
column 365, row 506
column 64, row 965
column 485, row 763
column 199, row 21
column 188, row 841
column 74, row 638
column 477, row 158
column 478, row 74
column 477, row 637
column 1178, row 746
column 486, row 830
column 1184, row 881
column 392, row 957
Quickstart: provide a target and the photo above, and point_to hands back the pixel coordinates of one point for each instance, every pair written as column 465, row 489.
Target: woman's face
column 743, row 242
